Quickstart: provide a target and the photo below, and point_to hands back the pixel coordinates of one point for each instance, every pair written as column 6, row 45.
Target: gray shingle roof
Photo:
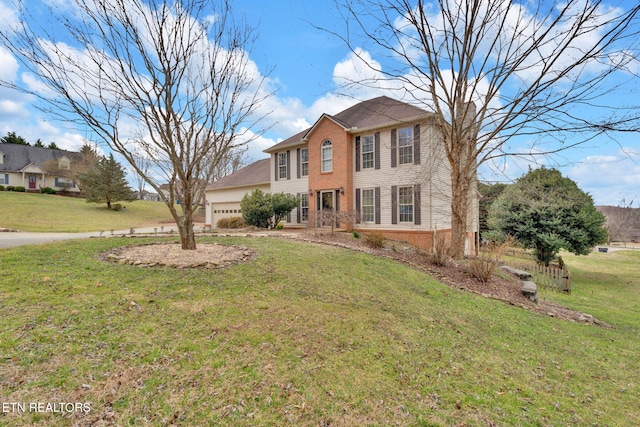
column 253, row 174
column 376, row 112
column 17, row 156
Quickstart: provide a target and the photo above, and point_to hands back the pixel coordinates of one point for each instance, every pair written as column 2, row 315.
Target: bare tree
column 497, row 71
column 622, row 221
column 176, row 71
column 230, row 162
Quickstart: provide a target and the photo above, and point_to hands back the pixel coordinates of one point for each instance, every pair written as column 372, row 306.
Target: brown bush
column 439, row 255
column 233, row 222
column 375, row 240
column 482, row 266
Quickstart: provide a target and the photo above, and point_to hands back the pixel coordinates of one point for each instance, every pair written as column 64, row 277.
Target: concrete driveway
column 20, row 238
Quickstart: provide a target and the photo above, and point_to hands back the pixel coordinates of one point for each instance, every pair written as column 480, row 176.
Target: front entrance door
column 32, row 181
column 326, row 207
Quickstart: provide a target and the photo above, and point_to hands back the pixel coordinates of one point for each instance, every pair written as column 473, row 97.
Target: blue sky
column 307, row 64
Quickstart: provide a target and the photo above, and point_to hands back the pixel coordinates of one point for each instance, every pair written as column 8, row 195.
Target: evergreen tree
column 489, row 193
column 266, row 210
column 547, row 212
column 12, row 138
column 39, row 143
column 106, row 183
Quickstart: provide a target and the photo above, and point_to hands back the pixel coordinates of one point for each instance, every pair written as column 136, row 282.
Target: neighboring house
column 149, row 196
column 377, row 166
column 36, row 167
column 223, row 197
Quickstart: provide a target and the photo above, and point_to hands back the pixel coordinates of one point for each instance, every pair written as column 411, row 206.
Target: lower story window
column 368, row 212
column 304, row 207
column 405, row 204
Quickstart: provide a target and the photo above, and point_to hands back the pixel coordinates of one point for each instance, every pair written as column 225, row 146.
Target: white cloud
column 609, row 178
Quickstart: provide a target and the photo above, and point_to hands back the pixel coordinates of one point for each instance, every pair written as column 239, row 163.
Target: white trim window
column 327, row 156
column 368, row 205
column 405, row 204
column 304, row 207
column 367, row 152
column 304, row 162
column 282, row 165
column 405, row 145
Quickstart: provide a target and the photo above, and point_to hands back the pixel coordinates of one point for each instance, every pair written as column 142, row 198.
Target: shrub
column 19, row 189
column 482, row 266
column 356, row 234
column 233, row 222
column 1, row 187
column 375, row 240
column 439, row 255
column 47, row 190
column 10, row 188
column 116, row 207
column 237, row 222
column 266, row 210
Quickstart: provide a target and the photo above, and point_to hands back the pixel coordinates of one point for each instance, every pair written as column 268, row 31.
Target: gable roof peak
column 370, row 114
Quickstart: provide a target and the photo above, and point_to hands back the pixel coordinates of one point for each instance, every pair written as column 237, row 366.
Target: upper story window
column 367, row 152
column 304, row 162
column 64, row 163
column 282, row 165
column 405, row 145
column 327, row 156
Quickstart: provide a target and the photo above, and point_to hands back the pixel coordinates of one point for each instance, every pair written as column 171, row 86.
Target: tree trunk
column 459, row 214
column 187, row 235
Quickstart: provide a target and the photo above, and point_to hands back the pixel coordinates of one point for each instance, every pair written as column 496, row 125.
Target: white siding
column 293, row 185
column 225, row 202
column 431, row 174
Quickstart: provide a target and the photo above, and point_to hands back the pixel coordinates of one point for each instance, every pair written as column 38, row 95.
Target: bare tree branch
column 177, row 73
column 495, row 72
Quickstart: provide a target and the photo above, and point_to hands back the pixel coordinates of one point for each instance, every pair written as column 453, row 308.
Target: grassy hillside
column 43, row 212
column 337, row 338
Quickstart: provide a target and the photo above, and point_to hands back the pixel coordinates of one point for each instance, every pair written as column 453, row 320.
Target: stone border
column 119, row 256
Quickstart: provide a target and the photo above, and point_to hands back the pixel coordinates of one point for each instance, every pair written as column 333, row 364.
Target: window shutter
column 394, row 204
column 416, row 204
column 56, row 183
column 358, row 206
column 416, row 145
column 6, row 178
column 376, row 195
column 288, row 164
column 394, row 148
column 376, row 154
column 357, row 154
column 289, row 217
column 276, row 166
column 298, row 209
column 298, row 166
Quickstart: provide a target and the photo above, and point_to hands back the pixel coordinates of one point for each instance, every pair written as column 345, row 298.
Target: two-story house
column 379, row 165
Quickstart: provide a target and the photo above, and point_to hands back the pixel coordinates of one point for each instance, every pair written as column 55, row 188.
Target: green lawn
column 335, row 338
column 44, row 212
